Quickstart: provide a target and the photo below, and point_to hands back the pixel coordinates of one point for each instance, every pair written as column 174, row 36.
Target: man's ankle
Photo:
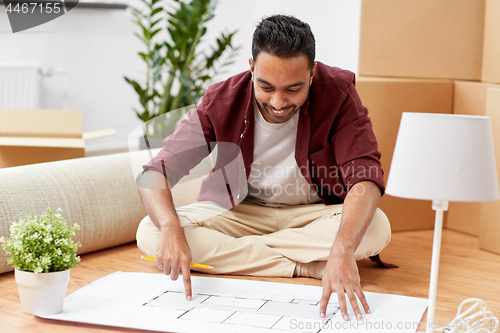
column 314, row 269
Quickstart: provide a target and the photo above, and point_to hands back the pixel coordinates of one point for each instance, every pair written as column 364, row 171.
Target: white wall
column 97, row 48
column 335, row 24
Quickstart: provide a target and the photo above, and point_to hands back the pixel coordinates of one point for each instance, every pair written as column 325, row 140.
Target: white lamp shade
column 443, row 157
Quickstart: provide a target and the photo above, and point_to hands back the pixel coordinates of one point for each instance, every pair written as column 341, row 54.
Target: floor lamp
column 443, row 157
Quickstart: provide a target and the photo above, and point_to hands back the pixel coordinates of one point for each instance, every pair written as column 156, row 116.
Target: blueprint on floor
column 154, row 302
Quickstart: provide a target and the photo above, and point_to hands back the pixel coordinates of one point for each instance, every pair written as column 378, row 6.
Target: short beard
column 265, row 109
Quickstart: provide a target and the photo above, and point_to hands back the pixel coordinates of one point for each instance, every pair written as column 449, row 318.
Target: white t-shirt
column 275, row 178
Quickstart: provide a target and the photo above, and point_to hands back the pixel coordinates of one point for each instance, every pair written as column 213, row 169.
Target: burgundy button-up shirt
column 335, row 146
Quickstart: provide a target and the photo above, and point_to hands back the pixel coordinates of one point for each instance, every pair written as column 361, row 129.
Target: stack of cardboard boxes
column 439, row 56
column 37, row 136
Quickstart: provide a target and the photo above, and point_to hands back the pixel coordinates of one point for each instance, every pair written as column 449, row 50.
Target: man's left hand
column 342, row 276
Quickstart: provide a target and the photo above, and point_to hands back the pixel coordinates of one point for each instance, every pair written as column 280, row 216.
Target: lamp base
column 439, row 206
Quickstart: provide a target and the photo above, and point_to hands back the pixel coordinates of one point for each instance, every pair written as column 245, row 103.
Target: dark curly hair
column 284, row 36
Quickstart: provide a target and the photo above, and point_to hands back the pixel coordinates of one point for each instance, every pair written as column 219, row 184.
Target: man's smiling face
column 281, row 85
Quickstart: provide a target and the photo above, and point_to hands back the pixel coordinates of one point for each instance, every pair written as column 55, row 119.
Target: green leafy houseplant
column 42, row 243
column 177, row 71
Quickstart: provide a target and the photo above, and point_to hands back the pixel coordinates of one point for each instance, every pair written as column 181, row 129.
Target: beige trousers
column 263, row 241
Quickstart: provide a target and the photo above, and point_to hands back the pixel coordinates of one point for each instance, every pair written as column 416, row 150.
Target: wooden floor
column 465, row 272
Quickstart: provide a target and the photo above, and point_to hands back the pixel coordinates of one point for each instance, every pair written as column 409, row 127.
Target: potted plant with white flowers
column 42, row 252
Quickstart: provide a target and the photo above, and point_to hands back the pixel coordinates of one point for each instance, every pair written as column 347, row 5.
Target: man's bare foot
column 314, row 269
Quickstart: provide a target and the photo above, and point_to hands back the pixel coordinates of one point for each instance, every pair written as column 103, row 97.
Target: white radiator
column 19, row 86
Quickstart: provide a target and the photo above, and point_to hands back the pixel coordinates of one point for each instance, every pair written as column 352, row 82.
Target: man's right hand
column 173, row 255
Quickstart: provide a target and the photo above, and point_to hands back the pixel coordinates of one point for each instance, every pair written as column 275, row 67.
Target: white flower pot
column 42, row 293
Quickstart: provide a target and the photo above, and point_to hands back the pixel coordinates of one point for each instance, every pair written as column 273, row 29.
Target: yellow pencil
column 192, row 264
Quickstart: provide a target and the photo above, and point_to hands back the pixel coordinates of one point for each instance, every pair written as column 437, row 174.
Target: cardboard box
column 491, row 51
column 36, row 136
column 469, row 99
column 423, row 39
column 386, row 100
column 490, row 211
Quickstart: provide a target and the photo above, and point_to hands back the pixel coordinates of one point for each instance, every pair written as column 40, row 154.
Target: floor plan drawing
column 154, row 302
